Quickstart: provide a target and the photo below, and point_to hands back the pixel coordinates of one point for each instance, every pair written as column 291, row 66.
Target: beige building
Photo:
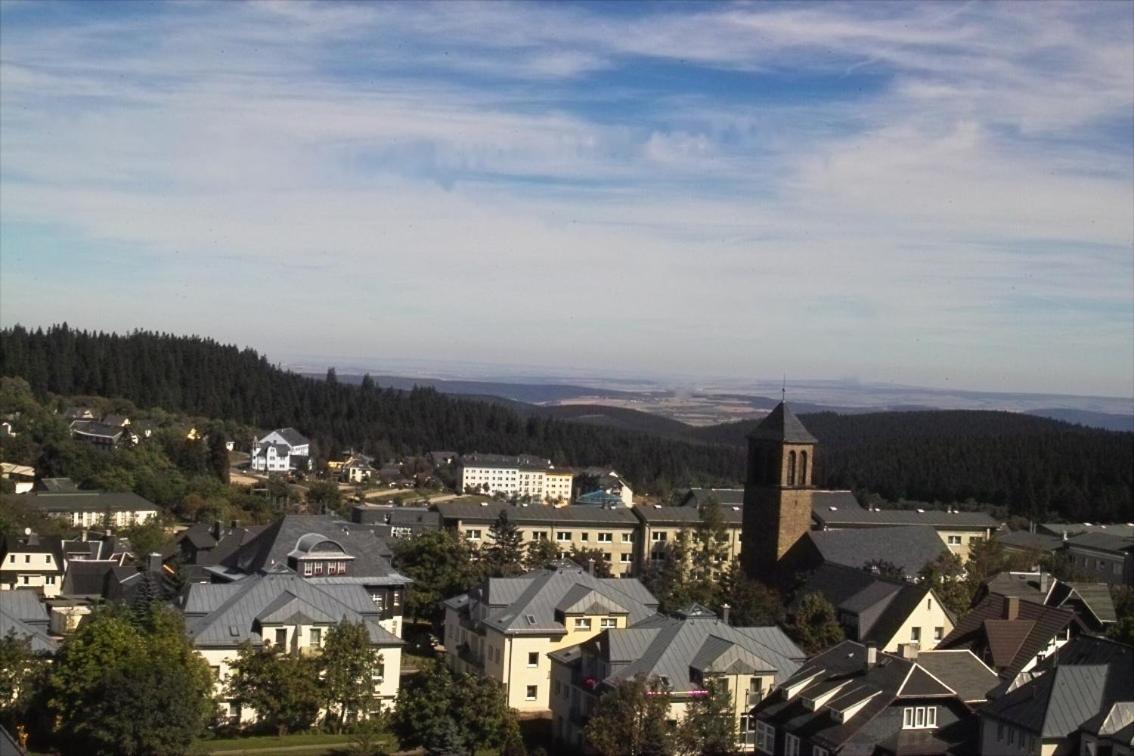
column 686, row 653
column 662, row 527
column 92, row 509
column 506, row 628
column 614, row 531
column 279, row 609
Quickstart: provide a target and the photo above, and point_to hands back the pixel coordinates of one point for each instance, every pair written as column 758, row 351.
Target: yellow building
column 506, row 628
column 685, row 653
column 662, row 527
column 613, row 531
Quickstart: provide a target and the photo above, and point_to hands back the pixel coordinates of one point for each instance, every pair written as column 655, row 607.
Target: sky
column 918, row 193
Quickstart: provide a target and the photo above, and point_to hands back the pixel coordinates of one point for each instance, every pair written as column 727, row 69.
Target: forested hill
column 1033, row 465
column 202, row 377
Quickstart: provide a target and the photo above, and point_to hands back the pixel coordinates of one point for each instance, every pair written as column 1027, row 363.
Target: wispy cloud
column 925, row 192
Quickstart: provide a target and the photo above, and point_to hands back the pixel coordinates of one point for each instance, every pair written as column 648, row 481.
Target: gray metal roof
column 687, row 516
column 22, row 615
column 86, row 501
column 1056, row 703
column 290, row 435
column 239, row 608
column 1115, row 544
column 1022, row 539
column 487, row 512
column 847, row 517
column 782, row 425
column 909, row 547
column 962, row 671
column 724, row 496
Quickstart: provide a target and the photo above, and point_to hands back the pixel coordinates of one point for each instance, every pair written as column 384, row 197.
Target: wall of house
column 994, row 740
column 960, row 541
column 37, row 571
column 928, row 616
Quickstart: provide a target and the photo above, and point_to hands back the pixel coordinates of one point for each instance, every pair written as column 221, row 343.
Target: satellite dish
column 27, row 531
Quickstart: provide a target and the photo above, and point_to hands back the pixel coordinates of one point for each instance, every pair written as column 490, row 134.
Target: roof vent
column 530, row 618
column 233, row 631
column 833, row 509
column 736, row 509
column 484, row 503
column 920, row 510
column 657, row 506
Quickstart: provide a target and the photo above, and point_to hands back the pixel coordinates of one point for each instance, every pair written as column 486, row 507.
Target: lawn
column 303, row 743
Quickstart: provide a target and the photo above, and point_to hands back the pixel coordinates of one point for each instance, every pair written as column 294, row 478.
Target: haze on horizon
column 918, row 193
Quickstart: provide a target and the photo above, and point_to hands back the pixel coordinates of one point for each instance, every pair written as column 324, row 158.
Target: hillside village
column 776, row 618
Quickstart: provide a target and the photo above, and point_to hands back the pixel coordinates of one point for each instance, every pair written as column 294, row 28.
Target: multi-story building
column 854, row 699
column 90, row 509
column 32, row 562
column 506, row 628
column 522, row 477
column 613, row 531
column 686, row 653
column 279, row 609
column 282, row 450
column 663, row 526
column 1105, row 557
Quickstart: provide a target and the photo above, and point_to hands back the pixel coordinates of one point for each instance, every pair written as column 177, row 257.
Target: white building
column 522, row 477
column 91, row 509
column 282, row 450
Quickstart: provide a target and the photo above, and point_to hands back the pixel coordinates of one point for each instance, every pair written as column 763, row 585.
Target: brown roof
column 989, row 634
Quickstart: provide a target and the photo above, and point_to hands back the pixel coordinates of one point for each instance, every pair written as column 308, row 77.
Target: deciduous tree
column 630, row 720
column 813, row 624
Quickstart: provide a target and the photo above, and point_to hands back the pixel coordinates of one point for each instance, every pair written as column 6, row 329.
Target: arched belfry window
column 791, row 468
column 803, row 468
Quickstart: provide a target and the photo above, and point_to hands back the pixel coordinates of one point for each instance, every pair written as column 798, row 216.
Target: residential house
column 23, row 615
column 663, row 526
column 606, row 480
column 506, row 628
column 686, row 653
column 87, row 509
column 1091, row 602
column 1012, row 636
column 32, row 562
column 201, row 546
column 279, row 609
column 1106, row 557
column 1080, row 701
column 887, row 612
column 22, row 476
column 855, row 700
column 614, row 531
column 98, row 434
column 324, row 551
column 388, row 521
column 1026, row 543
column 282, row 450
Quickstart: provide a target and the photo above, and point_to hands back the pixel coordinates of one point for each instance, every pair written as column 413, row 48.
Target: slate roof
column 1022, row 539
column 272, row 545
column 1055, row 704
column 986, row 628
column 291, row 436
column 473, row 511
column 1024, row 586
column 1058, row 529
column 782, row 425
column 86, row 578
column 224, row 616
column 725, row 496
column 967, row 675
column 535, row 602
column 1109, row 542
column 57, row 485
column 672, row 647
column 1116, row 723
column 687, row 516
column 86, row 501
column 505, row 461
column 1094, row 597
column 849, row 517
column 22, row 614
column 908, row 547
column 97, row 430
column 890, row 680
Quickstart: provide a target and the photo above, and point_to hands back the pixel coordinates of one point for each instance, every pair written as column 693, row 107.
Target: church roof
column 782, row 425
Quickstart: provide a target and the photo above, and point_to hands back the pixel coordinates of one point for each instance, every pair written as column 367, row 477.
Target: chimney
column 218, row 530
column 86, row 535
column 871, row 655
column 153, row 562
column 724, row 612
column 908, row 651
column 591, row 567
column 1011, row 607
column 1044, row 582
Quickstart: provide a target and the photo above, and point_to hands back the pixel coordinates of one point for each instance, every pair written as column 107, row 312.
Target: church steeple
column 777, row 492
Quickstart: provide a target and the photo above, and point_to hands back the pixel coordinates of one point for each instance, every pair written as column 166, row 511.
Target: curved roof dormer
column 312, row 545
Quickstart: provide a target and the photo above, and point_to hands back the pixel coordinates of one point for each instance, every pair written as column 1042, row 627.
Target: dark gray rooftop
column 1022, row 539
column 23, row 615
column 86, row 501
column 782, row 425
column 847, row 517
column 1115, row 544
column 487, row 512
column 725, row 496
column 690, row 516
column 909, row 547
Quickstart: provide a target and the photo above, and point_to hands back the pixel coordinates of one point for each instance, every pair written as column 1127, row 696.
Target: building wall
column 994, row 740
column 623, row 539
column 558, row 486
column 655, row 538
column 928, row 616
column 960, row 542
column 1102, row 566
column 36, row 571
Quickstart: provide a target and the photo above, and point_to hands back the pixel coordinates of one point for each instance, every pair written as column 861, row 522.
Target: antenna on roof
column 783, row 390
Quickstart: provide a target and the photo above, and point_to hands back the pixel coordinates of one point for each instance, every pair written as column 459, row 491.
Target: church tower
column 777, row 492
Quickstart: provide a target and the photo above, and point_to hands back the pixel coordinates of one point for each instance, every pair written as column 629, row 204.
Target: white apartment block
column 521, row 477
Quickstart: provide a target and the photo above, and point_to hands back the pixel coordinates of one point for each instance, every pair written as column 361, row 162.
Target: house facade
column 663, row 526
column 505, row 629
column 91, row 509
column 282, row 450
column 686, row 653
column 523, row 477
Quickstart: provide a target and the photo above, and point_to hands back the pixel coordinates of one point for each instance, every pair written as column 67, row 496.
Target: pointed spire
column 782, row 425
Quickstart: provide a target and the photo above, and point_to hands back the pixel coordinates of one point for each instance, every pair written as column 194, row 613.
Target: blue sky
column 931, row 194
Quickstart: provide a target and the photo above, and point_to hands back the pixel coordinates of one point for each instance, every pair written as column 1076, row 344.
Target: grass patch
column 309, row 742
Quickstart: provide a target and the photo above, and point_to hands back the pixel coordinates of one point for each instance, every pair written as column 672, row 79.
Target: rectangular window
column 907, row 718
column 307, row 569
column 765, row 737
column 27, row 558
column 656, row 536
column 584, row 536
column 915, row 634
column 791, row 745
column 539, row 535
column 606, row 538
column 608, row 622
column 530, row 693
column 938, row 633
column 316, row 636
column 954, row 540
column 919, row 716
column 474, row 535
column 51, row 580
column 281, row 636
column 533, row 659
column 625, row 558
column 606, row 556
column 562, row 536
column 628, row 538
column 582, row 623
column 930, row 716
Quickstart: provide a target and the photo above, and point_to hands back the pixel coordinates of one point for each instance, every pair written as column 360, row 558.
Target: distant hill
column 530, row 393
column 1090, row 419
